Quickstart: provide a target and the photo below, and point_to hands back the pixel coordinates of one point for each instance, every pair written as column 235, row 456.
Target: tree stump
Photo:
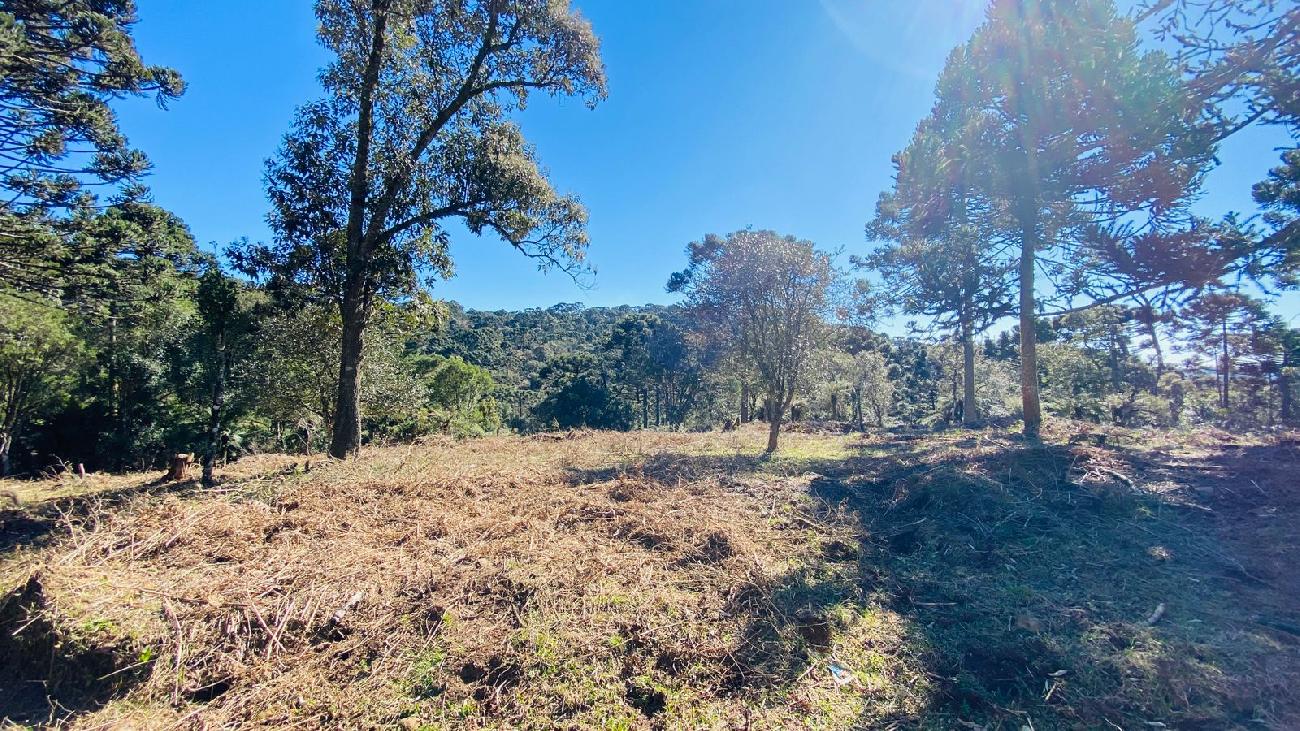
column 180, row 466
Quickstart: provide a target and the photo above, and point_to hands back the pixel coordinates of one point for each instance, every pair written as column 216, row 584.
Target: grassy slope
column 644, row 580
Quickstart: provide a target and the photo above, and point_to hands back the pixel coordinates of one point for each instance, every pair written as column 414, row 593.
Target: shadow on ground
column 46, row 674
column 1036, row 585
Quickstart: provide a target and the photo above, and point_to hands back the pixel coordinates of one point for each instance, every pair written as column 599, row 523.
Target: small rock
column 410, row 723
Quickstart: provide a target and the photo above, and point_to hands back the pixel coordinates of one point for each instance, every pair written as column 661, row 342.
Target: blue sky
column 721, row 114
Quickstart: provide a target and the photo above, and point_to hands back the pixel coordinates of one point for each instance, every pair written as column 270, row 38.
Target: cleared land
column 1109, row 578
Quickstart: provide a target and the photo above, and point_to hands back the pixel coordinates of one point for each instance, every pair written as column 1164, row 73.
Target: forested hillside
column 1071, row 268
column 132, row 374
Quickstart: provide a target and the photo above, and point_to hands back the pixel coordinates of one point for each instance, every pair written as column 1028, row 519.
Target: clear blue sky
column 721, row 114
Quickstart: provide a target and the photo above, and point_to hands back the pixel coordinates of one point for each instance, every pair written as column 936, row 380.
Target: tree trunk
column 1285, row 407
column 969, row 409
column 744, row 403
column 114, row 389
column 1284, row 388
column 6, row 446
column 1150, row 322
column 180, row 467
column 1268, row 387
column 1029, row 399
column 775, row 413
column 1115, row 375
column 346, row 440
column 214, row 415
column 835, row 406
column 1227, row 366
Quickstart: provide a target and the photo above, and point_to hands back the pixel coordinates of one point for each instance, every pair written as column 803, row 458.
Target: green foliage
column 645, row 351
column 1243, row 60
column 460, row 394
column 1075, row 385
column 579, row 394
column 1059, row 147
column 1279, row 196
column 38, row 356
column 1078, row 151
column 765, row 298
column 297, row 367
column 658, row 369
column 872, row 390
column 413, row 131
column 61, row 64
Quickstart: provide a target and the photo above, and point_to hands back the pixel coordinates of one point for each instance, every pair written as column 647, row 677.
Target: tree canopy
column 413, row 131
column 62, row 64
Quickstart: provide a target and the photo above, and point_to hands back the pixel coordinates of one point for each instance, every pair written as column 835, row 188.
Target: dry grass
column 601, row 580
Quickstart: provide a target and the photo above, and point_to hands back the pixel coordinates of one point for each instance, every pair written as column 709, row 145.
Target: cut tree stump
column 180, row 466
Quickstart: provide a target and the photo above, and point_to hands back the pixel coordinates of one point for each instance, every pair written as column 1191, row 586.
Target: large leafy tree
column 768, row 298
column 62, row 62
column 1073, row 130
column 414, row 131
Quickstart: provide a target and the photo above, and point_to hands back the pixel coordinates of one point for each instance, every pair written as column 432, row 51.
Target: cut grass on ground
column 650, row 580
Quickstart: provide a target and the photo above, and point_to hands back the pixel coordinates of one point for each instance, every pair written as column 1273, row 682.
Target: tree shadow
column 38, row 523
column 1038, row 585
column 49, row 676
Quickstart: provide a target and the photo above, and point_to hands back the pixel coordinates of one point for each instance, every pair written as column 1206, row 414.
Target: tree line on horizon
column 1052, row 183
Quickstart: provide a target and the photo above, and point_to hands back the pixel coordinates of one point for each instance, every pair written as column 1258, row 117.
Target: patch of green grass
column 426, row 677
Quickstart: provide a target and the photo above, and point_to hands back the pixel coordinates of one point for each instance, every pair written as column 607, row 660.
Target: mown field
column 962, row 579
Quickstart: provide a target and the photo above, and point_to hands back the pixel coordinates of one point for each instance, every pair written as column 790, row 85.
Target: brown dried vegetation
column 601, row 580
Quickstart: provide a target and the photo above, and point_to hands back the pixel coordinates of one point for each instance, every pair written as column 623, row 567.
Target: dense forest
column 1039, row 238
column 141, row 388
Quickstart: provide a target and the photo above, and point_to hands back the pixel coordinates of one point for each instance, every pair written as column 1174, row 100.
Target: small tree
column 227, row 326
column 1223, row 325
column 460, row 394
column 938, row 258
column 873, row 392
column 767, row 297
